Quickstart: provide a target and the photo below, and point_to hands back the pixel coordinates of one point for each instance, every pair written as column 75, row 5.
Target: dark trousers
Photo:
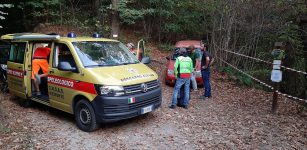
column 206, row 79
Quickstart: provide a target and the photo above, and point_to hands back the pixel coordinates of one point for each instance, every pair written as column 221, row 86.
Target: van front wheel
column 85, row 116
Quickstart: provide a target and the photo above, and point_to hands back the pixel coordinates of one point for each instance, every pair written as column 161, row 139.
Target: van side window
column 61, row 52
column 17, row 52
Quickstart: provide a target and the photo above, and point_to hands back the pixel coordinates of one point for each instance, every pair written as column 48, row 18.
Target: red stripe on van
column 15, row 72
column 72, row 84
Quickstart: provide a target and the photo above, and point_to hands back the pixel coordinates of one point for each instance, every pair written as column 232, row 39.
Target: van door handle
column 51, row 71
column 19, row 67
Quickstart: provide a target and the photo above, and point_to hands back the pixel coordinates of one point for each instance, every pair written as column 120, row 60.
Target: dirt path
column 235, row 118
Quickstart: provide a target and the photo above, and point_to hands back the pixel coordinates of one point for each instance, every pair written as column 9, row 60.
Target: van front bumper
column 110, row 109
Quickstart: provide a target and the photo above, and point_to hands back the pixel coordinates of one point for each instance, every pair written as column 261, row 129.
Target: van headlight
column 170, row 72
column 110, row 90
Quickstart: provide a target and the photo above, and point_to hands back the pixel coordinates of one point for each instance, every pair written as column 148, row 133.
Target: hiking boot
column 185, row 107
column 38, row 78
column 172, row 107
column 180, row 105
column 38, row 93
column 203, row 97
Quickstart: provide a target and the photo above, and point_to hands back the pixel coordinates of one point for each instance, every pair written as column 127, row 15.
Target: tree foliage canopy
column 2, row 13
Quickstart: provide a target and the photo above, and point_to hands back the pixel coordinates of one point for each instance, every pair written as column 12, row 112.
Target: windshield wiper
column 101, row 65
column 93, row 65
column 129, row 63
column 126, row 63
column 118, row 64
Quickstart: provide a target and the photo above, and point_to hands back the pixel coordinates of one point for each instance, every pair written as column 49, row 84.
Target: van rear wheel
column 26, row 103
column 85, row 116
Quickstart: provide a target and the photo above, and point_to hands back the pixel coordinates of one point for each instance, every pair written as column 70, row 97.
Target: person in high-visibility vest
column 183, row 68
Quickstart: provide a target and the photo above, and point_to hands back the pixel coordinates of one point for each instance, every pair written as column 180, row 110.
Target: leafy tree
column 42, row 10
column 252, row 27
column 163, row 19
column 2, row 13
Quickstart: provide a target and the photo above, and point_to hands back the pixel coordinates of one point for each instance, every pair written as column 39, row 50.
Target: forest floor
column 234, row 118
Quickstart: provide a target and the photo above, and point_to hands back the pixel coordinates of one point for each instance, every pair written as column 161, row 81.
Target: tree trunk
column 115, row 19
column 95, row 7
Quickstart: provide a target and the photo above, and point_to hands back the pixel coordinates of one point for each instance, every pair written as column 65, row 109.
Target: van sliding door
column 16, row 69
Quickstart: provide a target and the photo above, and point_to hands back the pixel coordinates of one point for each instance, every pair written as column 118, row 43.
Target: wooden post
column 275, row 97
column 276, row 75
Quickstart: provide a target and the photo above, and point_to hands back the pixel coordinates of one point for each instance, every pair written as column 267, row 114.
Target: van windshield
column 98, row 53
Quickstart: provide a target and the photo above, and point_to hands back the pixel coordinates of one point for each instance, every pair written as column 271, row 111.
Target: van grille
column 130, row 107
column 137, row 88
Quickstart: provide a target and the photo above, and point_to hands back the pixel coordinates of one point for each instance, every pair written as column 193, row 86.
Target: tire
column 85, row 116
column 4, row 84
column 26, row 103
column 5, row 88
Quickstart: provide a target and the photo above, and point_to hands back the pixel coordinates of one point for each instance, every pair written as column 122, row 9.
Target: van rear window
column 17, row 52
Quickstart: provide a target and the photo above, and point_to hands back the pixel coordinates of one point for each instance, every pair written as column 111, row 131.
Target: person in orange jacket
column 39, row 61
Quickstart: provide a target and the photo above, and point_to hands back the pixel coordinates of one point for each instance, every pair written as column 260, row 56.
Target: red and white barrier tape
column 292, row 97
column 263, row 83
column 257, row 59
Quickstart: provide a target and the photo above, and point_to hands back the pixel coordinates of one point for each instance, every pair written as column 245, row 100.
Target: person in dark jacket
column 206, row 62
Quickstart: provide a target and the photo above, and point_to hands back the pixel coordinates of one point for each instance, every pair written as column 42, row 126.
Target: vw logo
column 144, row 87
column 131, row 70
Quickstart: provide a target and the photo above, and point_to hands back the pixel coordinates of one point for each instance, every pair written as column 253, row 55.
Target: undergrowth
column 244, row 80
column 166, row 47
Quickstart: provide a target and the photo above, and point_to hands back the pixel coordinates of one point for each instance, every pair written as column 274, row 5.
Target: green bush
column 242, row 79
column 238, row 77
column 261, row 74
column 166, row 47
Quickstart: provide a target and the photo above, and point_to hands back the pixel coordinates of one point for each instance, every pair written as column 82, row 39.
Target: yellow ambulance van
column 96, row 79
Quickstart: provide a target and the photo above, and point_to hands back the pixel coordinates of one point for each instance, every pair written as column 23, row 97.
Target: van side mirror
column 146, row 60
column 66, row 66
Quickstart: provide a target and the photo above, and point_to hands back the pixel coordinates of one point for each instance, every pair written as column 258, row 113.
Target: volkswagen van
column 96, row 79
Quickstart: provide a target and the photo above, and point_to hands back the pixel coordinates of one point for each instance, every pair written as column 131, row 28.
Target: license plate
column 146, row 109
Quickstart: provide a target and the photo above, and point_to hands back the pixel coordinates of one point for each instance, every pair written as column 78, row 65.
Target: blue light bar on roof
column 71, row 35
column 96, row 35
